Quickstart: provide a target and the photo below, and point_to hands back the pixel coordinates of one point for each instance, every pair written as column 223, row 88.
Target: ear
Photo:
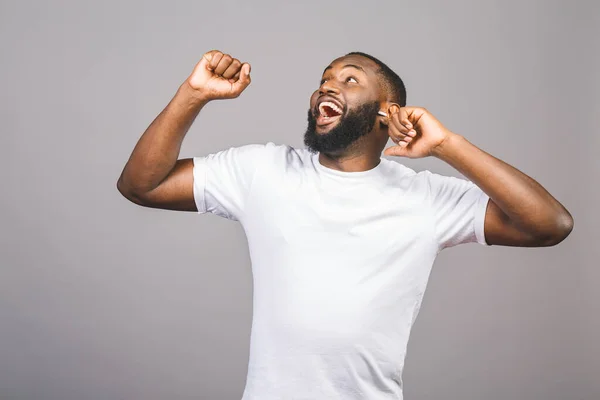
column 388, row 107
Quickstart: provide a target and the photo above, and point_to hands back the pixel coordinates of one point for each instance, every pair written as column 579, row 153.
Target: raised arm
column 154, row 176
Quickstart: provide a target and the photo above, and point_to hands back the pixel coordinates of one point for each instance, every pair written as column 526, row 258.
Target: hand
column 219, row 76
column 415, row 131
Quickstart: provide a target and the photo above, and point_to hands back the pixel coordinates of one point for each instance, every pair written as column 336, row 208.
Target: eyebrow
column 345, row 66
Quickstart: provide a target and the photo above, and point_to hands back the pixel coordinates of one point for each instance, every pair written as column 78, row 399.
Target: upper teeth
column 330, row 105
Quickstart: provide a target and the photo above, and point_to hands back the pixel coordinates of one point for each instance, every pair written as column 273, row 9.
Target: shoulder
column 399, row 175
column 290, row 156
column 423, row 182
column 271, row 149
column 437, row 181
column 274, row 158
column 254, row 153
column 392, row 167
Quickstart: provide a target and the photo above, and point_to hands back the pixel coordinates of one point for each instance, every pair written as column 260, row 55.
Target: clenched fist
column 219, row 76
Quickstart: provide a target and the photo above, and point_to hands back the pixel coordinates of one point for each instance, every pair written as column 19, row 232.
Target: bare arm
column 154, row 176
column 520, row 211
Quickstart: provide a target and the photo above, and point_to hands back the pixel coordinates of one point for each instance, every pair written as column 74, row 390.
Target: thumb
column 244, row 79
column 398, row 151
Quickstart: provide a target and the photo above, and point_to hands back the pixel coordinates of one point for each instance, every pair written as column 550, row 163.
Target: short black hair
column 392, row 82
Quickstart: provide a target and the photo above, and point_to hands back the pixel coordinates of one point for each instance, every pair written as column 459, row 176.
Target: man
column 341, row 241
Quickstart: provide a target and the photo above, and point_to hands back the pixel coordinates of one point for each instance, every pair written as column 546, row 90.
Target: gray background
column 102, row 299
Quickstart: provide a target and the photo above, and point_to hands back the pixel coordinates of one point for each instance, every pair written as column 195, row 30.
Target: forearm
column 157, row 151
column 526, row 202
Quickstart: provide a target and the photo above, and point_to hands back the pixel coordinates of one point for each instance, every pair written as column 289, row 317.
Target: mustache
column 368, row 111
column 356, row 123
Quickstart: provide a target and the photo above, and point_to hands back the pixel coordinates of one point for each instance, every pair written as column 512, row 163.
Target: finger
column 401, row 143
column 402, row 137
column 244, row 80
column 234, row 78
column 224, row 63
column 397, row 118
column 213, row 58
column 209, row 55
column 232, row 69
column 404, row 118
column 395, row 134
column 395, row 151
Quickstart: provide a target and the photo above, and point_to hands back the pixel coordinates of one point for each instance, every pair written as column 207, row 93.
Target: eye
column 323, row 81
column 351, row 78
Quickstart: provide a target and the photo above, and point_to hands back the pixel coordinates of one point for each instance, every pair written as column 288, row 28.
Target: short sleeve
column 459, row 208
column 222, row 180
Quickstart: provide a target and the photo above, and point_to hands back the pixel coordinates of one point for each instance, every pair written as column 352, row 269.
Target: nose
column 328, row 87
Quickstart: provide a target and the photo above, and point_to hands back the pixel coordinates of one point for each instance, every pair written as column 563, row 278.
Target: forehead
column 368, row 66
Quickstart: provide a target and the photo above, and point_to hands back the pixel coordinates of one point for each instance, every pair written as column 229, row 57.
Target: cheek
column 358, row 97
column 313, row 98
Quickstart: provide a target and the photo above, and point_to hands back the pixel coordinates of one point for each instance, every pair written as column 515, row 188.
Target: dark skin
column 353, row 87
column 520, row 211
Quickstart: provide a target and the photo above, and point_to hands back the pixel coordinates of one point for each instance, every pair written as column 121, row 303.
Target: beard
column 351, row 127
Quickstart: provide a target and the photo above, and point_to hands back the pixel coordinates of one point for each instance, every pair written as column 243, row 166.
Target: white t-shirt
column 340, row 262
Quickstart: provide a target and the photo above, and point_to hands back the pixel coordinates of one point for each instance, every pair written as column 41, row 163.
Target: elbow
column 127, row 192
column 563, row 228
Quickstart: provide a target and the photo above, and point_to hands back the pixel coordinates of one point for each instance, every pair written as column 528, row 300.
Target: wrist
column 446, row 146
column 195, row 96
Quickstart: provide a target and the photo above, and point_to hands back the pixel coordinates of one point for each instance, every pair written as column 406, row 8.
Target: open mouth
column 328, row 112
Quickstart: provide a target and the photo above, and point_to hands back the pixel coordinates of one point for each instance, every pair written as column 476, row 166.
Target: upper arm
column 458, row 209
column 217, row 183
column 175, row 192
column 499, row 230
column 464, row 213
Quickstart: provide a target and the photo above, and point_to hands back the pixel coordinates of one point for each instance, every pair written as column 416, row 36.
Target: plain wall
column 103, row 299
